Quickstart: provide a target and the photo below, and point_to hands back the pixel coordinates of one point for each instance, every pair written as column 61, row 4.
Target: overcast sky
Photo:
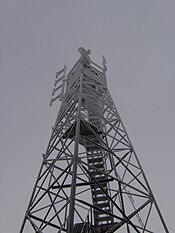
column 38, row 37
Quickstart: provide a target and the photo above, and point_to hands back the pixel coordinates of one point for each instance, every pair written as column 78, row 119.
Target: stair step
column 102, row 205
column 104, row 219
column 93, row 139
column 98, row 165
column 99, row 214
column 97, row 152
column 102, row 182
column 95, row 155
column 91, row 145
column 93, row 148
column 100, row 198
column 95, row 160
column 95, row 172
column 97, row 169
column 98, row 191
column 101, row 178
column 95, row 186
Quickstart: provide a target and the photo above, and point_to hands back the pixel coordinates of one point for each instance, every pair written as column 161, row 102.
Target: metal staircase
column 97, row 167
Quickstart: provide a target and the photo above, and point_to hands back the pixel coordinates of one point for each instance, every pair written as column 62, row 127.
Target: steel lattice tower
column 91, row 180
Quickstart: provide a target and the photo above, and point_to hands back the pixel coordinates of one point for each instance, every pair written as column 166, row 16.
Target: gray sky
column 37, row 38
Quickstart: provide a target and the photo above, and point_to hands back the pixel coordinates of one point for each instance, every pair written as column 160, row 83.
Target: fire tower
column 90, row 180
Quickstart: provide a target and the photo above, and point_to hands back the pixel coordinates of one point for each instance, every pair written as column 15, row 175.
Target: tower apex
column 84, row 54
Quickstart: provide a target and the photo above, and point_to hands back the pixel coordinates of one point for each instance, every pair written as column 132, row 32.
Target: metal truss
column 91, row 180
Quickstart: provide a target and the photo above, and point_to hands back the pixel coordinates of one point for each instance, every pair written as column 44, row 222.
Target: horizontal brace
column 53, row 100
column 82, row 184
column 48, row 223
column 58, row 80
column 56, row 89
column 59, row 72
